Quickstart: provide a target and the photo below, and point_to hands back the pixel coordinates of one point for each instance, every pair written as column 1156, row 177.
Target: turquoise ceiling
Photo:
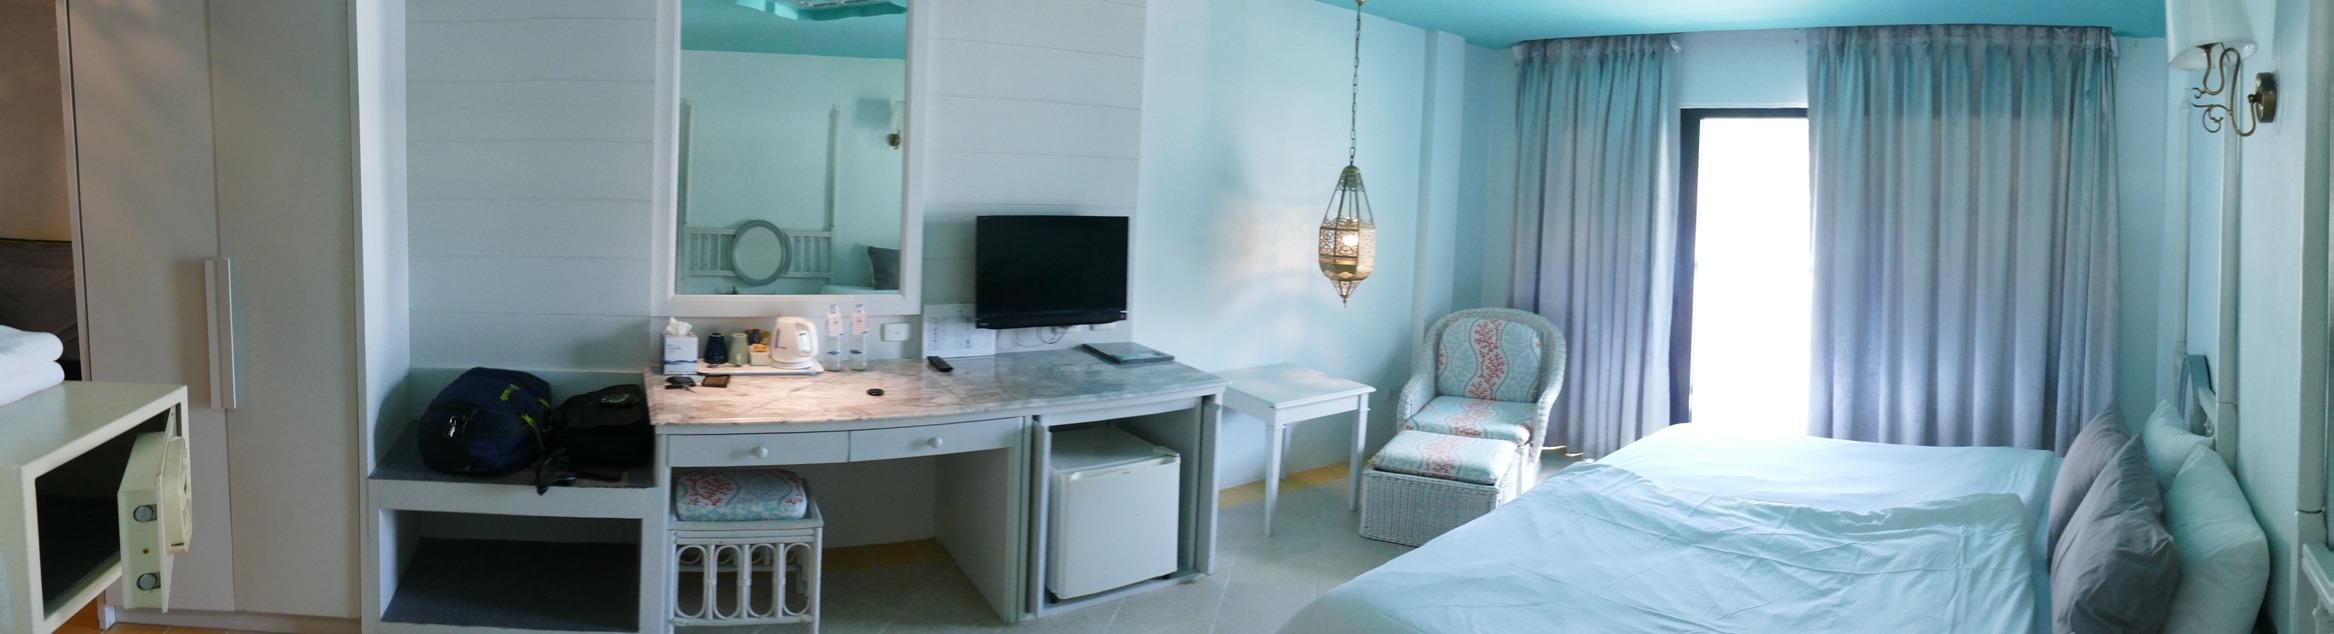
column 724, row 25
column 1501, row 23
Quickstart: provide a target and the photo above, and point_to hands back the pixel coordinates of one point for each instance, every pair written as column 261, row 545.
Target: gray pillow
column 2094, row 448
column 2115, row 569
column 884, row 268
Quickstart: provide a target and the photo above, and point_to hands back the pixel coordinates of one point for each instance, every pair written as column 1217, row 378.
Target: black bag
column 487, row 422
column 606, row 428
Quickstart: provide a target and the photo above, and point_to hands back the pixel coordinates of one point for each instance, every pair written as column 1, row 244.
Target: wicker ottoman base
column 1409, row 510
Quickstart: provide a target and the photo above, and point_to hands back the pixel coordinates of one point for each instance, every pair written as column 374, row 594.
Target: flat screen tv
column 1033, row 271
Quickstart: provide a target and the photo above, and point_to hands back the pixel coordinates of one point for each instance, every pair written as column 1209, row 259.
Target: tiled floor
column 85, row 622
column 1260, row 581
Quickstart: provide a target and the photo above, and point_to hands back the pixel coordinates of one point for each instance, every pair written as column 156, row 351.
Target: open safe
column 94, row 489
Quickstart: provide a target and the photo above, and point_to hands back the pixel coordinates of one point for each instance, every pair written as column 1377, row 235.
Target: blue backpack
column 487, row 422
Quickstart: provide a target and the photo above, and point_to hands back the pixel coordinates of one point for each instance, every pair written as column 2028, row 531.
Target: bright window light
column 1753, row 275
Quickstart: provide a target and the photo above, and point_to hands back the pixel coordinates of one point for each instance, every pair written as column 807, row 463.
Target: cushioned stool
column 1422, row 485
column 745, row 548
column 739, row 495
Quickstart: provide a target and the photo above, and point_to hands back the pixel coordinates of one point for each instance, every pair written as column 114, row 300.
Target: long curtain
column 1964, row 233
column 1596, row 226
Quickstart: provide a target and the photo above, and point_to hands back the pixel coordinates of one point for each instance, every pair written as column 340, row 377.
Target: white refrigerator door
column 1113, row 526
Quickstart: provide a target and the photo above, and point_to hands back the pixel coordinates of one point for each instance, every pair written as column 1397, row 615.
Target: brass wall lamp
column 2215, row 36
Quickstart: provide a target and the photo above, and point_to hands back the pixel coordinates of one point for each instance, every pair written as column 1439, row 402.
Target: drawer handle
column 760, row 452
column 934, row 442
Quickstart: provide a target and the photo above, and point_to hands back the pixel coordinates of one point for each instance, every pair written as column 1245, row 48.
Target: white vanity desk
column 988, row 424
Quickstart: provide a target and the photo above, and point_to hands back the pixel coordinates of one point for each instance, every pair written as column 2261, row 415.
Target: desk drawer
column 930, row 440
column 749, row 450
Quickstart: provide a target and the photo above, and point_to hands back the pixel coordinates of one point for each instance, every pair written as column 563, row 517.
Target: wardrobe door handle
column 219, row 300
column 760, row 452
column 935, row 442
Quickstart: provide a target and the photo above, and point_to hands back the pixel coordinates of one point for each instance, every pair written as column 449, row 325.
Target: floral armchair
column 1488, row 373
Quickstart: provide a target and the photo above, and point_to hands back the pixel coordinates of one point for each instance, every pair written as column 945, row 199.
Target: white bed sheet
column 1809, row 472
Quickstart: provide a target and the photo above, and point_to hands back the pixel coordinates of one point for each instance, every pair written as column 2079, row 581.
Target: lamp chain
column 1353, row 114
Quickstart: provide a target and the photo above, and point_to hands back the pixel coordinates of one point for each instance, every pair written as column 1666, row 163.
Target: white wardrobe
column 215, row 200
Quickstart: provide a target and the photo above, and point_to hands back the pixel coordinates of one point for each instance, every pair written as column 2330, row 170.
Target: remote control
column 939, row 364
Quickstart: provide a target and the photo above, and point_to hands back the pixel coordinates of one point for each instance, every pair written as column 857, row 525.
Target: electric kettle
column 794, row 344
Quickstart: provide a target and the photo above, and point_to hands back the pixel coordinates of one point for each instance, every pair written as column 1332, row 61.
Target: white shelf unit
column 482, row 572
column 571, row 559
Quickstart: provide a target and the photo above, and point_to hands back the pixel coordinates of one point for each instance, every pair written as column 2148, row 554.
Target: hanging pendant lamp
column 1349, row 234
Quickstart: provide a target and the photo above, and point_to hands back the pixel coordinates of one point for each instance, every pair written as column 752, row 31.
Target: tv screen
column 1032, row 271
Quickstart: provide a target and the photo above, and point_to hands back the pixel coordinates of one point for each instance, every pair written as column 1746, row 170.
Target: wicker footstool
column 1424, row 484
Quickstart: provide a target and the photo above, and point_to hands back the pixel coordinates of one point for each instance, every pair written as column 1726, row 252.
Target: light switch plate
column 895, row 332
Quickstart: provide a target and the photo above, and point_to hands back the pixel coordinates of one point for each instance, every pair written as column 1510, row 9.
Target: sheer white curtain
column 1964, row 233
column 1596, row 226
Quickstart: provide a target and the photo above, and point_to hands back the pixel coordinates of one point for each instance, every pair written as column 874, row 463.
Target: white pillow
column 2169, row 443
column 2224, row 558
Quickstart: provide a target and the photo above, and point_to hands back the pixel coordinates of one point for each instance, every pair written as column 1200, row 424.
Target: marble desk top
column 1011, row 382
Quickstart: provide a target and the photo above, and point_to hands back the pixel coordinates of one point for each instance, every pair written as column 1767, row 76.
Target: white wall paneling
column 500, row 170
column 529, row 341
column 1007, row 178
column 587, row 228
column 531, row 128
column 1086, row 26
column 1040, row 128
column 1030, row 73
column 539, row 110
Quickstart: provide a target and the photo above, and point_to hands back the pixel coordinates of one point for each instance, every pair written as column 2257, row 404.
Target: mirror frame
column 665, row 300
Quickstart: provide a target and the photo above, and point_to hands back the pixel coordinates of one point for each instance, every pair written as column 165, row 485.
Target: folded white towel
column 18, row 386
column 18, row 345
column 9, row 368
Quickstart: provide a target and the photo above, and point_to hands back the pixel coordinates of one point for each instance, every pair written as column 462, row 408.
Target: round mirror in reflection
column 758, row 253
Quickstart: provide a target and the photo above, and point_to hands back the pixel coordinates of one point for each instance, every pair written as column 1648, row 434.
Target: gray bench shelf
column 519, row 585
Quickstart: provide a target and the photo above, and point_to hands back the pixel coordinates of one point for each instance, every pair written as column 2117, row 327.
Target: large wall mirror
column 789, row 157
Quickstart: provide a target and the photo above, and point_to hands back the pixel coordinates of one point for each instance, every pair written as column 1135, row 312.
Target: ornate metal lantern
column 1349, row 237
column 1349, row 233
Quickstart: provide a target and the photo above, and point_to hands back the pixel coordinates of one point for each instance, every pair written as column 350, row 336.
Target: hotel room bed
column 1696, row 529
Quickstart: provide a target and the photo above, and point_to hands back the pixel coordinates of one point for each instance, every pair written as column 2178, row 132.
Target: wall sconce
column 2214, row 36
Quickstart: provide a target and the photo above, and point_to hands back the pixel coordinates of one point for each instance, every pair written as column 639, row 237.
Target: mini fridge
column 1114, row 511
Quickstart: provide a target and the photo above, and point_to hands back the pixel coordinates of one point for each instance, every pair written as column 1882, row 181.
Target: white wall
column 1743, row 69
column 2276, row 192
column 760, row 127
column 531, row 127
column 1487, row 166
column 2146, row 313
column 1037, row 108
column 1244, row 132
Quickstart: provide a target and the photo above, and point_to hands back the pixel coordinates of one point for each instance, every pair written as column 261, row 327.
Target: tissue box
column 680, row 355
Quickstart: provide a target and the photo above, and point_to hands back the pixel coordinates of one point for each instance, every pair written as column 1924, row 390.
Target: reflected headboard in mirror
column 2201, row 404
column 788, row 158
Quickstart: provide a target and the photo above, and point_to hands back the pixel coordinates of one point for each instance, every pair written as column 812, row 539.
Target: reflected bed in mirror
column 790, row 152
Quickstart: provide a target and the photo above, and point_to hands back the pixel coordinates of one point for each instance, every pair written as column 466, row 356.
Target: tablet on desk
column 1127, row 353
